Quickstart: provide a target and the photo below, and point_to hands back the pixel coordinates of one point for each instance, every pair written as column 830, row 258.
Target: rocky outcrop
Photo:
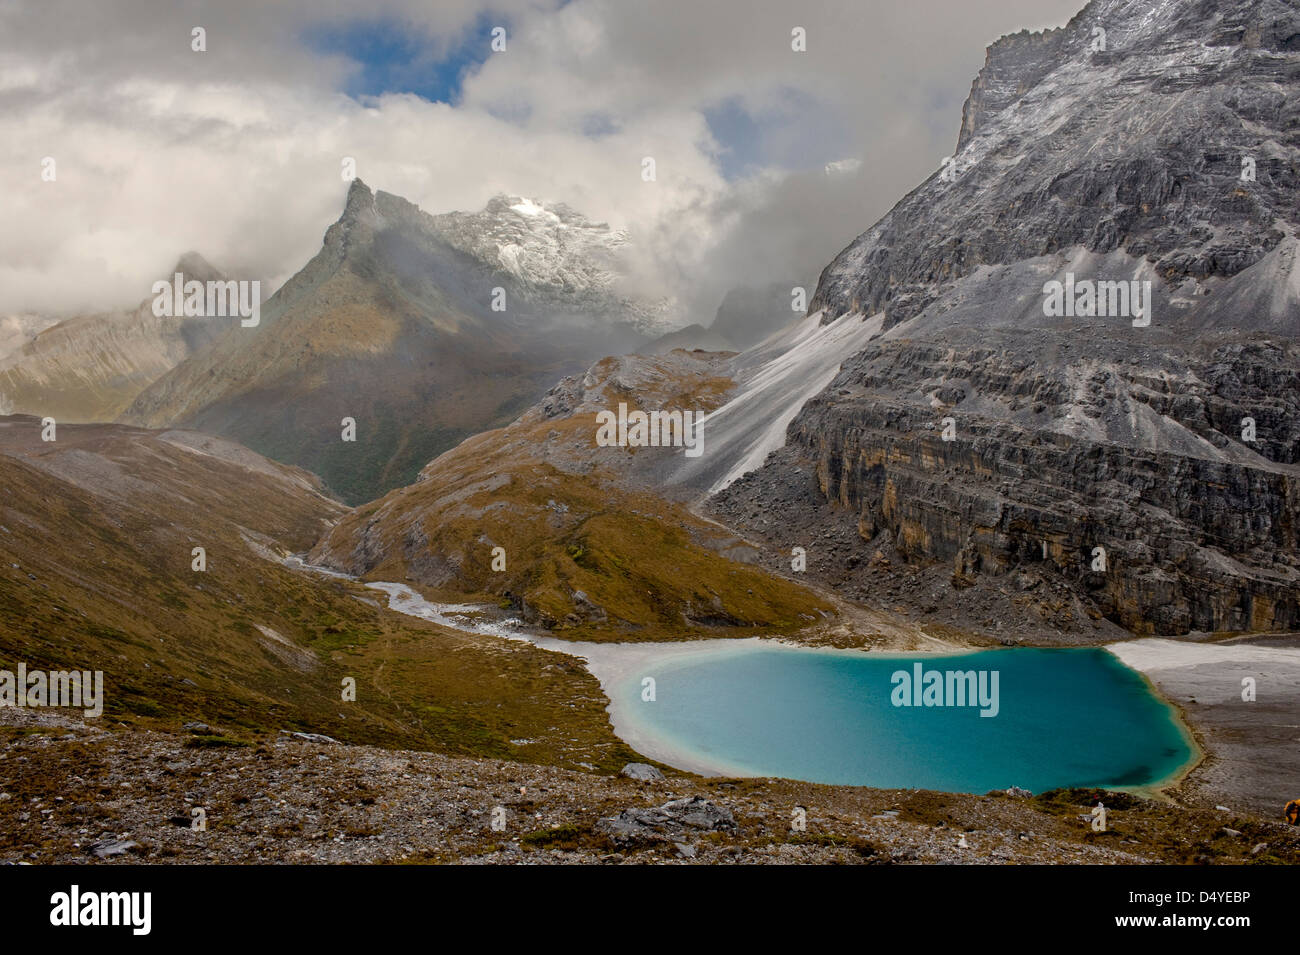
column 674, row 820
column 996, row 464
column 1161, row 543
column 643, row 772
column 1012, row 65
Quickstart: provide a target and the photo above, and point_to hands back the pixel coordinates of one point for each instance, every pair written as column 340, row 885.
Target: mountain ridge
column 413, row 327
column 1151, row 167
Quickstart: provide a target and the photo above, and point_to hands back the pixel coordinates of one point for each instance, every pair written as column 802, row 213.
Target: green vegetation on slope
column 96, row 533
column 588, row 554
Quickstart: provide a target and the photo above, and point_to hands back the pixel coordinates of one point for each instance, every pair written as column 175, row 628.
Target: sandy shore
column 620, row 669
column 1252, row 761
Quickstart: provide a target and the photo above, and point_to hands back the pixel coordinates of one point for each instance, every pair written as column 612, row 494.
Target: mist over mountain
column 1009, row 462
column 91, row 367
column 421, row 329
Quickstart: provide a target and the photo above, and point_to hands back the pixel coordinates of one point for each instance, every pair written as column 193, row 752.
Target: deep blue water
column 1075, row 717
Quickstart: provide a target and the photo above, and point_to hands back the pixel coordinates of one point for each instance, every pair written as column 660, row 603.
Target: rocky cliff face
column 1093, row 465
column 1188, row 542
column 1125, row 130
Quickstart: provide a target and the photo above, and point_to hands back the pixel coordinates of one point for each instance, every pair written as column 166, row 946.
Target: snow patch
column 776, row 378
column 526, row 207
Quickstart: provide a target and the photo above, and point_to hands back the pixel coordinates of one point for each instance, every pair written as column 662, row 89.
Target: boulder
column 667, row 823
column 106, row 848
column 313, row 737
column 641, row 771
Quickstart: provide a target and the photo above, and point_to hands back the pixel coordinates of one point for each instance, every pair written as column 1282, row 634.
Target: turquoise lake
column 1075, row 717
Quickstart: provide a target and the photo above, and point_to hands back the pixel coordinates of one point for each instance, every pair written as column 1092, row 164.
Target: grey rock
column 641, row 771
column 1086, row 431
column 1143, row 150
column 667, row 823
column 314, row 738
column 107, row 848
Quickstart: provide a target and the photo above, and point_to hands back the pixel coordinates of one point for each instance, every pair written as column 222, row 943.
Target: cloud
column 237, row 151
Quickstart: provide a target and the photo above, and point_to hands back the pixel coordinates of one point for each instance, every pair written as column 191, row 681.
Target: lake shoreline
column 621, row 668
column 1203, row 779
column 1250, row 758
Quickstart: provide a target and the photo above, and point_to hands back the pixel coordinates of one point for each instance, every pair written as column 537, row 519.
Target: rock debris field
column 75, row 793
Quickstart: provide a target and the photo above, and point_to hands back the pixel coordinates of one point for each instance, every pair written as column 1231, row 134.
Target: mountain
column 694, row 337
column 747, row 316
column 1016, row 466
column 1137, row 149
column 559, row 256
column 941, row 433
column 393, row 325
column 91, row 367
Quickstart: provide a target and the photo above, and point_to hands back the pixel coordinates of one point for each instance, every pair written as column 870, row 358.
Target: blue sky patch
column 392, row 57
column 794, row 132
column 739, row 137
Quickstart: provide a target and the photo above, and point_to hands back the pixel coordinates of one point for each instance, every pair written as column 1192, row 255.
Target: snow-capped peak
column 527, row 207
column 558, row 254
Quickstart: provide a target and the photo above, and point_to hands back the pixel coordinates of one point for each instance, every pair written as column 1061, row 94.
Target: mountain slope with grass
column 595, row 546
column 97, row 531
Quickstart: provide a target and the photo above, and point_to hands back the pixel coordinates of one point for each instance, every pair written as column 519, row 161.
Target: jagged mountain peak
column 395, row 323
column 359, row 197
column 1016, row 62
column 552, row 254
column 558, row 255
column 531, row 207
column 1136, row 141
column 194, row 266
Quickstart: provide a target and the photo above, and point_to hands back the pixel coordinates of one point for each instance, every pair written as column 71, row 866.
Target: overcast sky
column 236, row 152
